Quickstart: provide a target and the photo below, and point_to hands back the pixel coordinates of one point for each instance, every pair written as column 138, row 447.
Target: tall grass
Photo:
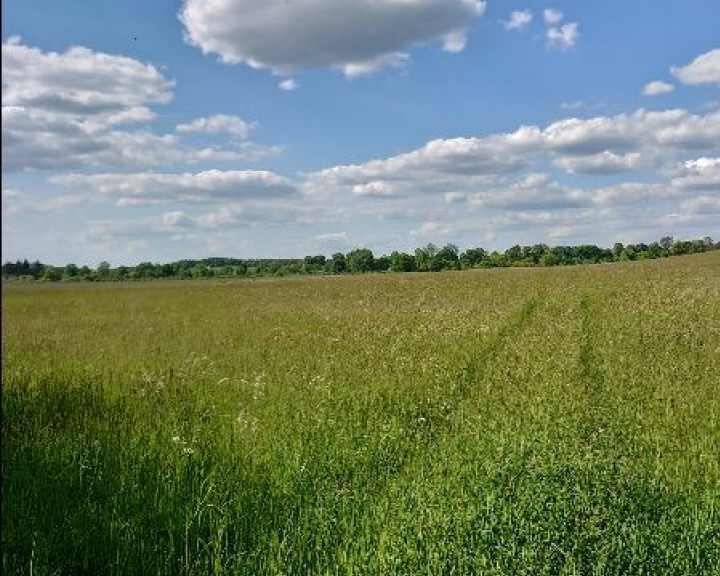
column 516, row 421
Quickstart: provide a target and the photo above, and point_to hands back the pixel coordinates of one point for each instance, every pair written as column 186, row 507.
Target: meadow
column 494, row 422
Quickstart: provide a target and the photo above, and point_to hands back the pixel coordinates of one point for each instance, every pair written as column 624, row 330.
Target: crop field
column 517, row 421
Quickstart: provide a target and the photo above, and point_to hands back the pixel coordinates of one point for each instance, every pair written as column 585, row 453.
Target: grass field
column 519, row 421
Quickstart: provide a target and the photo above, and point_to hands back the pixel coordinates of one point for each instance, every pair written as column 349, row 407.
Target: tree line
column 429, row 258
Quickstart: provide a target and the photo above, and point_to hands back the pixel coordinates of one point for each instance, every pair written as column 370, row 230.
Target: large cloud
column 595, row 146
column 78, row 81
column 670, row 129
column 82, row 108
column 357, row 37
column 218, row 124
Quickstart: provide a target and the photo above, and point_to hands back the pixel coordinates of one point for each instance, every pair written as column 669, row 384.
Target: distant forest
column 429, row 258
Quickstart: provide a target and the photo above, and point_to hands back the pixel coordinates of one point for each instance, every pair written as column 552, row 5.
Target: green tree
column 71, row 271
column 472, row 257
column 52, row 274
column 549, row 259
column 338, row 264
column 446, row 258
column 401, row 262
column 424, row 257
column 360, row 260
column 103, row 270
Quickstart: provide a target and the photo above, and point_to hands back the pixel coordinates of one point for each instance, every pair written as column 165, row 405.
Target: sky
column 155, row 131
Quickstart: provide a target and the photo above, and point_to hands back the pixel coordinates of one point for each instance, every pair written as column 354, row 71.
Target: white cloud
column 518, row 20
column 605, row 162
column 574, row 105
column 563, row 37
column 198, row 187
column 78, row 81
column 705, row 69
column 382, row 62
column 14, row 202
column 490, row 174
column 669, row 129
column 289, row 36
column 454, row 42
column 64, row 109
column 375, row 189
column 288, row 84
column 700, row 174
column 552, row 16
column 434, row 229
column 82, row 108
column 440, row 160
column 657, row 87
column 533, row 192
column 579, row 104
column 218, row 124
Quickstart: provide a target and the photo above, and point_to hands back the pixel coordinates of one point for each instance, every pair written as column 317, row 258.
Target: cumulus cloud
column 596, row 146
column 657, row 87
column 552, row 16
column 289, row 36
column 81, row 108
column 218, row 124
column 78, row 81
column 563, row 37
column 375, row 189
column 39, row 139
column 533, row 192
column 601, row 163
column 705, row 69
column 189, row 187
column 518, row 20
column 668, row 129
column 436, row 162
column 700, row 174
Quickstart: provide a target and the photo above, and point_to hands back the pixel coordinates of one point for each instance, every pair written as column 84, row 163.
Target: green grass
column 544, row 421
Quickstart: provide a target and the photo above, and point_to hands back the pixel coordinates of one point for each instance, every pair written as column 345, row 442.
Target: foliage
column 429, row 258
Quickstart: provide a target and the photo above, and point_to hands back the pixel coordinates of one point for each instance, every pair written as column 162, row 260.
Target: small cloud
column 657, row 87
column 564, row 37
column 220, row 123
column 552, row 16
column 454, row 42
column 288, row 85
column 374, row 189
column 385, row 61
column 705, row 69
column 518, row 20
column 581, row 105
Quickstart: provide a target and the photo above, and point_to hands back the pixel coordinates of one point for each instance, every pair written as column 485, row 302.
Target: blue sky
column 159, row 130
